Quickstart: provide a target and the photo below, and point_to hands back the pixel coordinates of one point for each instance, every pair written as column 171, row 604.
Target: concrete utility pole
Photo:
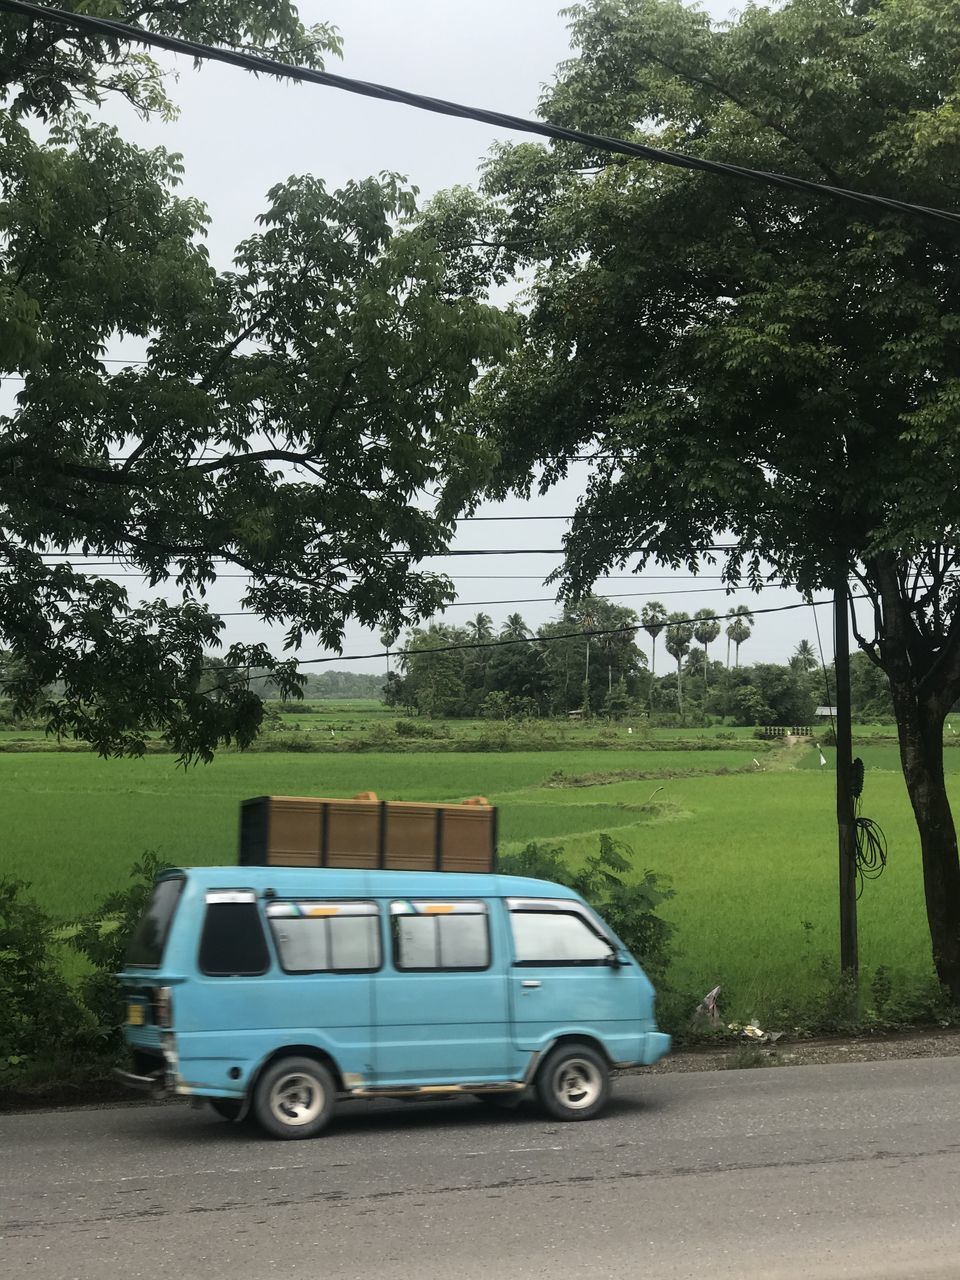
column 849, row 957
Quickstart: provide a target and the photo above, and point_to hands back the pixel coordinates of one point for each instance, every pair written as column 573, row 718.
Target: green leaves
column 45, row 70
column 285, row 425
column 743, row 361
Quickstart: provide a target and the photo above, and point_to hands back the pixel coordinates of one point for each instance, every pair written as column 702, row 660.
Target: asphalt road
column 809, row 1172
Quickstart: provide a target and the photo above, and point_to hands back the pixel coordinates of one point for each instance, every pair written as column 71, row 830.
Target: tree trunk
column 920, row 730
column 921, row 712
column 679, row 689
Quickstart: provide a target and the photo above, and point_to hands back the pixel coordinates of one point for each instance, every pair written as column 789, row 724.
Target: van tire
column 294, row 1098
column 227, row 1108
column 574, row 1082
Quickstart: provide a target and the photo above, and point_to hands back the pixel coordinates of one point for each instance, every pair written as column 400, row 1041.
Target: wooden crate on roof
column 364, row 832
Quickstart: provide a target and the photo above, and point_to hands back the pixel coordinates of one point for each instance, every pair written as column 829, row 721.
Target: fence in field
column 782, row 731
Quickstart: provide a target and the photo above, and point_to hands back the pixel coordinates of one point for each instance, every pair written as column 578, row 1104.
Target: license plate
column 135, row 1015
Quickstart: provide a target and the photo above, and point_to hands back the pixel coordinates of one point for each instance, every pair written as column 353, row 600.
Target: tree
column 803, row 657
column 787, row 693
column 705, row 630
column 617, row 703
column 495, row 705
column 750, row 708
column 514, row 628
column 869, row 691
column 285, row 416
column 776, row 371
column 739, row 629
column 518, row 670
column 587, row 622
column 480, row 628
column 565, row 661
column 653, row 616
column 679, row 635
column 388, row 638
column 434, row 674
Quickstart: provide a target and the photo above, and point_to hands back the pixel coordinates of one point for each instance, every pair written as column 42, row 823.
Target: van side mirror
column 613, row 960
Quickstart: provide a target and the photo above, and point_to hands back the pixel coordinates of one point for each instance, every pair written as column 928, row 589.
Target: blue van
column 275, row 990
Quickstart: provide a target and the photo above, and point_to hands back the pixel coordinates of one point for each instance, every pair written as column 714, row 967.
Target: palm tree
column 514, row 628
column 740, row 628
column 587, row 623
column 654, row 618
column 388, row 639
column 706, row 628
column 480, row 628
column 804, row 658
column 679, row 635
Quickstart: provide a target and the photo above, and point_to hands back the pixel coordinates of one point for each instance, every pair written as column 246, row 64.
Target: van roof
column 293, row 881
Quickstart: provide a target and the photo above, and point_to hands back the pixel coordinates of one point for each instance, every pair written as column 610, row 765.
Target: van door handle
column 530, row 982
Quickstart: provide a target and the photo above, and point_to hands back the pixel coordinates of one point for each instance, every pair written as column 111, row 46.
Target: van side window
column 326, row 937
column 552, row 937
column 232, row 942
column 440, row 935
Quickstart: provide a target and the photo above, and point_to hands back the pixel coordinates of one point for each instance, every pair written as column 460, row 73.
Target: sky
column 239, row 135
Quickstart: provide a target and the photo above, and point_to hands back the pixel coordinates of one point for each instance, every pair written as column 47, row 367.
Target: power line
column 67, row 557
column 483, row 604
column 478, row 577
column 501, row 644
column 532, row 639
column 596, row 142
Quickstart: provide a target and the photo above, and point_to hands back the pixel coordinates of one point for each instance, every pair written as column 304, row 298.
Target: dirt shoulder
column 927, row 1043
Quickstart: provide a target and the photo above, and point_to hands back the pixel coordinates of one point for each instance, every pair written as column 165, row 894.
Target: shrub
column 102, row 937
column 40, row 1018
column 414, row 729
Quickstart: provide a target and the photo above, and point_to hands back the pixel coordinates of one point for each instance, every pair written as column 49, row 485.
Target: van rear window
column 145, row 948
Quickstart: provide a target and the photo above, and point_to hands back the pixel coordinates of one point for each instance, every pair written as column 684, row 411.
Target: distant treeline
column 588, row 662
column 344, row 684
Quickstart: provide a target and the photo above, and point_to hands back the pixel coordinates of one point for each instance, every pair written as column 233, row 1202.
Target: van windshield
column 145, row 948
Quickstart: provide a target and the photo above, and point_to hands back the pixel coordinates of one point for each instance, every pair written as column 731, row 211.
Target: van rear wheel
column 294, row 1098
column 574, row 1082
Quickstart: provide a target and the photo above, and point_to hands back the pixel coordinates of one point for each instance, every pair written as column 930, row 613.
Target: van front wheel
column 294, row 1098
column 574, row 1082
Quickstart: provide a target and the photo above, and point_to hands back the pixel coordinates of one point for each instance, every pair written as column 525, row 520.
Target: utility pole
column 849, row 959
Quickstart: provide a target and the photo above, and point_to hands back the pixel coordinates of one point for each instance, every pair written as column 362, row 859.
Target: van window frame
column 560, row 907
column 483, row 913
column 233, row 897
column 377, row 915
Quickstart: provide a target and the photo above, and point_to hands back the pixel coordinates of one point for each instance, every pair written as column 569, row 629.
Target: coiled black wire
column 870, row 840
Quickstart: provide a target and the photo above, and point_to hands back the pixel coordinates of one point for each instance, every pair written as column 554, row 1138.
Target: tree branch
column 714, row 87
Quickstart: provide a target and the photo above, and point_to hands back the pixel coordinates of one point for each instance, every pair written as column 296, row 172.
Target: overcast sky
column 239, row 135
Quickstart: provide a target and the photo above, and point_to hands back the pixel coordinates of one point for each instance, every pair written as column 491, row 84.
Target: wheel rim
column 296, row 1099
column 577, row 1083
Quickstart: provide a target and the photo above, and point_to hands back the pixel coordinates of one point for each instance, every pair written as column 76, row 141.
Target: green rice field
column 751, row 855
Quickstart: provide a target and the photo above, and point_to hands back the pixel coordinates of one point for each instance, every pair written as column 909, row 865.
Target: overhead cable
column 596, row 142
column 580, row 633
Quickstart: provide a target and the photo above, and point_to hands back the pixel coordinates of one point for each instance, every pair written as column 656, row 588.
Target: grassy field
column 752, row 855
